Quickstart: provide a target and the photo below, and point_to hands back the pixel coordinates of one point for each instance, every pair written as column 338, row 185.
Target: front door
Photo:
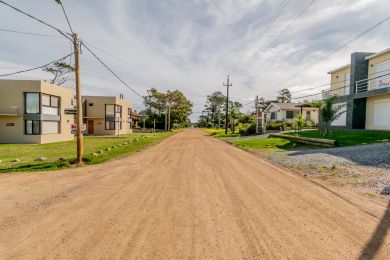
column 90, row 127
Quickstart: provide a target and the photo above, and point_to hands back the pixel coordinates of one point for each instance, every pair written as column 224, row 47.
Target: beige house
column 105, row 115
column 363, row 88
column 288, row 111
column 33, row 112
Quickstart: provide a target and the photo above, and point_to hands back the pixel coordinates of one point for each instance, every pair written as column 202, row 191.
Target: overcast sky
column 193, row 45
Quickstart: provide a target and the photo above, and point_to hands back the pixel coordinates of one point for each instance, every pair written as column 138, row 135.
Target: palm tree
column 329, row 112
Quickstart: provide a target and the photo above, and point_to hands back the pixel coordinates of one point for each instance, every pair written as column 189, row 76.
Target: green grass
column 220, row 133
column 262, row 144
column 349, row 137
column 110, row 147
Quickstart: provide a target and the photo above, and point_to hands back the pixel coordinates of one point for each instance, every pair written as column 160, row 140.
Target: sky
column 193, row 45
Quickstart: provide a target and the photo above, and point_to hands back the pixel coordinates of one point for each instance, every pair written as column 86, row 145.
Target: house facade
column 33, row 112
column 288, row 111
column 362, row 88
column 107, row 115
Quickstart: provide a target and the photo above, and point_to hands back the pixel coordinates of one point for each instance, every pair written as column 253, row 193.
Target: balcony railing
column 382, row 81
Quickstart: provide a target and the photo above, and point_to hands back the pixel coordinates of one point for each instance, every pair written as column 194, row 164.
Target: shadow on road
column 373, row 246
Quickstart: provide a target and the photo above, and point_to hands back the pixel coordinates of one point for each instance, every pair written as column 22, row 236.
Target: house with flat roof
column 363, row 88
column 107, row 115
column 33, row 112
column 288, row 111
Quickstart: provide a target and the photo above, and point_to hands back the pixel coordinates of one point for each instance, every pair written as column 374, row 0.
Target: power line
column 66, row 16
column 39, row 67
column 341, row 81
column 274, row 17
column 295, row 20
column 332, row 90
column 346, row 43
column 28, row 33
column 37, row 19
column 112, row 72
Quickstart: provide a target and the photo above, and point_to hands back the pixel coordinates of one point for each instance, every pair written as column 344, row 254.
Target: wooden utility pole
column 227, row 85
column 257, row 114
column 79, row 105
column 169, row 118
column 154, row 125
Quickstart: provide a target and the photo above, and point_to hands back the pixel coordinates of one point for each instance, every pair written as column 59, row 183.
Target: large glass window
column 50, row 105
column 32, row 103
column 50, row 127
column 32, row 127
column 110, row 125
column 110, row 110
column 118, row 111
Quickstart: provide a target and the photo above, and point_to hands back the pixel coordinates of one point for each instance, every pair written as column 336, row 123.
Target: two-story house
column 107, row 115
column 363, row 88
column 33, row 111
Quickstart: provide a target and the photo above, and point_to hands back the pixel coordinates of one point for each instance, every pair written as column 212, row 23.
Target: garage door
column 382, row 112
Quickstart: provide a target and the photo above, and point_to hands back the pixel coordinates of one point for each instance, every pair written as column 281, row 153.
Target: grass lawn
column 349, row 137
column 220, row 133
column 263, row 144
column 104, row 148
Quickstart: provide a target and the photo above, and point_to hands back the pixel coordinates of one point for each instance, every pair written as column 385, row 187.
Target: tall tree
column 157, row 104
column 284, row 96
column 214, row 104
column 60, row 71
column 234, row 112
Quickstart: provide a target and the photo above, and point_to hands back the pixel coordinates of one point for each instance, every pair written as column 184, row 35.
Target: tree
column 234, row 111
column 214, row 104
column 300, row 122
column 60, row 71
column 284, row 96
column 329, row 112
column 157, row 104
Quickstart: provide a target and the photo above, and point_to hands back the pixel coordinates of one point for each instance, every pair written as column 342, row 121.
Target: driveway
column 188, row 197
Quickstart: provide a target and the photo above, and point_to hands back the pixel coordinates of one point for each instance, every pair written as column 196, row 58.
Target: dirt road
column 189, row 197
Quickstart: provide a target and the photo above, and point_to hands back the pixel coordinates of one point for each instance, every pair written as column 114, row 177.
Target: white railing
column 382, row 81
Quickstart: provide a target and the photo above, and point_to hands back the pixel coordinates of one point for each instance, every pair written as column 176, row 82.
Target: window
column 129, row 112
column 308, row 115
column 50, row 105
column 32, row 127
column 289, row 114
column 110, row 125
column 118, row 111
column 383, row 77
column 110, row 110
column 50, row 127
column 347, row 83
column 32, row 103
column 273, row 115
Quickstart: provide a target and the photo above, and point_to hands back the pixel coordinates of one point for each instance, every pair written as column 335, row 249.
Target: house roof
column 338, row 69
column 284, row 106
column 378, row 54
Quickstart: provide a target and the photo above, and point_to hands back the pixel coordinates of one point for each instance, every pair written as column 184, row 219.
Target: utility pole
column 227, row 85
column 154, row 125
column 79, row 113
column 257, row 114
column 169, row 118
column 165, row 121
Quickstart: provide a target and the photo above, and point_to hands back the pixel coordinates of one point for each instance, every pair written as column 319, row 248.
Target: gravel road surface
column 188, row 197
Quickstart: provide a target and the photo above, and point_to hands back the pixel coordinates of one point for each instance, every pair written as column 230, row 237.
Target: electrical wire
column 66, row 16
column 274, row 17
column 39, row 67
column 28, row 33
column 112, row 72
column 37, row 19
column 294, row 21
column 345, row 44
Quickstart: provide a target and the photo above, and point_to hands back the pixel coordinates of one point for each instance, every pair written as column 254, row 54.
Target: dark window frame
column 39, row 103
column 32, row 127
column 273, row 115
column 289, row 114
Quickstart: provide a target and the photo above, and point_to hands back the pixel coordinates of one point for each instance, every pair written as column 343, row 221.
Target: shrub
column 246, row 128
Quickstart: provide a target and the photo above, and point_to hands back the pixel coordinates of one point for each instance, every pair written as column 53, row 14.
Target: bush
column 246, row 128
column 279, row 125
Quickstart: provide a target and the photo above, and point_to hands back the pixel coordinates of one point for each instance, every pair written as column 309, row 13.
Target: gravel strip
column 365, row 165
